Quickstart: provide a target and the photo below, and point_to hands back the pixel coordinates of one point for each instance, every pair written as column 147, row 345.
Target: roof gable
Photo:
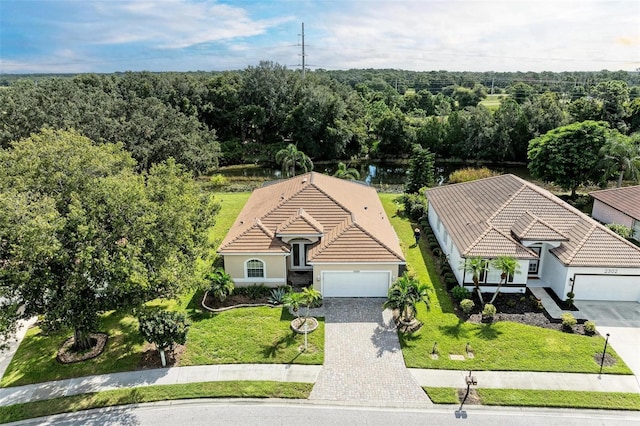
column 532, row 228
column 300, row 224
column 626, row 199
column 471, row 211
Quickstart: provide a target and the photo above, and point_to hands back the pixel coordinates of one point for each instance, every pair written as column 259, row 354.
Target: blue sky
column 189, row 35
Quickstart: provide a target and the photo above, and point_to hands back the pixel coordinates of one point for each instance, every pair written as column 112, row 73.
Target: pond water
column 372, row 172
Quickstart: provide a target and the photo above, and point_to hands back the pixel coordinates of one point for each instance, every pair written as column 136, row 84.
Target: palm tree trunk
column 493, row 299
column 477, row 285
column 620, row 178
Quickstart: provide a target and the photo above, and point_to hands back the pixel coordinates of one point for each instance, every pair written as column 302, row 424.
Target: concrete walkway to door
column 363, row 361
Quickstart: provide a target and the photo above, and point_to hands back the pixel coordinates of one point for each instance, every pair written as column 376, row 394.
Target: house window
column 299, row 255
column 482, row 277
column 255, row 268
column 534, row 265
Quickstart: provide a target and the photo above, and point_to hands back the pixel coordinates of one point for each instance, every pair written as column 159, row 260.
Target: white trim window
column 534, row 264
column 299, row 255
column 254, row 268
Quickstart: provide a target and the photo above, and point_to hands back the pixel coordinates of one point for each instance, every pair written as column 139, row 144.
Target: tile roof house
column 314, row 229
column 556, row 245
column 618, row 205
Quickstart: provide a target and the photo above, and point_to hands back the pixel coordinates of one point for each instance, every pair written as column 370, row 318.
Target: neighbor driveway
column 363, row 361
column 622, row 321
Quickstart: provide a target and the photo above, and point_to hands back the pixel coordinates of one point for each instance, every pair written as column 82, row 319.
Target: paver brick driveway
column 363, row 361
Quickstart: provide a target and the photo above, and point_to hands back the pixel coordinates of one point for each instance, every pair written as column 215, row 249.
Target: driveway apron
column 363, row 361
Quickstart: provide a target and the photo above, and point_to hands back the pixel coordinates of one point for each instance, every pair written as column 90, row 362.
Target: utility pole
column 303, row 55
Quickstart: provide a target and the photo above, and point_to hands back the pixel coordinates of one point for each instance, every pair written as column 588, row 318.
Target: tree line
column 204, row 119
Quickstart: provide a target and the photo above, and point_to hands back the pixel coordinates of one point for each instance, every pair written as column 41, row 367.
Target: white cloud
column 482, row 35
column 173, row 24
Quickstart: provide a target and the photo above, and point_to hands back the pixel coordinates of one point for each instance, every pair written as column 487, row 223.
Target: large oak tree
column 81, row 232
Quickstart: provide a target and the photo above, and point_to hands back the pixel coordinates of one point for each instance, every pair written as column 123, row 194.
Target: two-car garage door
column 355, row 283
column 607, row 287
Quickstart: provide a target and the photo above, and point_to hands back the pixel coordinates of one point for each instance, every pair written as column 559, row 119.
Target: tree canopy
column 82, row 232
column 569, row 155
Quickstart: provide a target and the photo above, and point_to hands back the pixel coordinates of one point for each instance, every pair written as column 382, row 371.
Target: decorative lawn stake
column 604, row 352
column 470, row 380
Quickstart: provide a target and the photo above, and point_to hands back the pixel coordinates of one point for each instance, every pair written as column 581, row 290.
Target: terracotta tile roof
column 493, row 241
column 300, row 224
column 256, row 237
column 626, row 199
column 531, row 227
column 348, row 213
column 506, row 204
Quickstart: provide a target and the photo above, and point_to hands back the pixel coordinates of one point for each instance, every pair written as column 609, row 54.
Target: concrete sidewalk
column 529, row 380
column 160, row 376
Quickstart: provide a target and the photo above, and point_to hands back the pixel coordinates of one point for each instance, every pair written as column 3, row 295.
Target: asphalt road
column 267, row 413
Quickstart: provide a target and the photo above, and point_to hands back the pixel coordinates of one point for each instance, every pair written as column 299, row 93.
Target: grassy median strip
column 560, row 399
column 442, row 395
column 542, row 398
column 242, row 389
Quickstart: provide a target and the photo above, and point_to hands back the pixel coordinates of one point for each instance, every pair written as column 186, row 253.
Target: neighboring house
column 556, row 245
column 316, row 229
column 618, row 205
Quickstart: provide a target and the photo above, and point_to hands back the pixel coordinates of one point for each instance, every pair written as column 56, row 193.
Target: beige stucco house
column 556, row 245
column 618, row 205
column 314, row 229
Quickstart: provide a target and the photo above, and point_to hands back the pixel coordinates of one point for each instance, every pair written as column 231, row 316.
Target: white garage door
column 607, row 287
column 355, row 283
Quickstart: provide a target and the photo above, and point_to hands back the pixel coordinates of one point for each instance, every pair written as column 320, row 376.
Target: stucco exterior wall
column 275, row 269
column 555, row 274
column 607, row 214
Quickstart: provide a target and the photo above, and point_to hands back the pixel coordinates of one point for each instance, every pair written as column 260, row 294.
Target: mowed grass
column 244, row 389
column 248, row 335
column 259, row 335
column 505, row 345
column 35, row 361
column 542, row 398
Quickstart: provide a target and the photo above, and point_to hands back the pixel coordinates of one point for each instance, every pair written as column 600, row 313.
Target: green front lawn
column 35, row 361
column 251, row 335
column 500, row 346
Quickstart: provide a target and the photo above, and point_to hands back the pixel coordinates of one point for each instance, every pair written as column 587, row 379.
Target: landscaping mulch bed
column 66, row 355
column 150, row 357
column 233, row 300
column 516, row 307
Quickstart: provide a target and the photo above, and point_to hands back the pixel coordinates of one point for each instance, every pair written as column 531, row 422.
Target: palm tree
column 289, row 157
column 621, row 156
column 220, row 284
column 477, row 267
column 509, row 266
column 405, row 293
column 345, row 172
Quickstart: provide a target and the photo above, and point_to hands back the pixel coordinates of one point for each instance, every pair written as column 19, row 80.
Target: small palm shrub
column 220, row 284
column 459, row 293
column 489, row 311
column 568, row 321
column 590, row 328
column 467, row 306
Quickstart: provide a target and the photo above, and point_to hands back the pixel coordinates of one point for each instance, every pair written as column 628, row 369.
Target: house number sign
column 611, row 270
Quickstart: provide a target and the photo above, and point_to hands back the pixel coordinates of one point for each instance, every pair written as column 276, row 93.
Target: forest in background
column 208, row 119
